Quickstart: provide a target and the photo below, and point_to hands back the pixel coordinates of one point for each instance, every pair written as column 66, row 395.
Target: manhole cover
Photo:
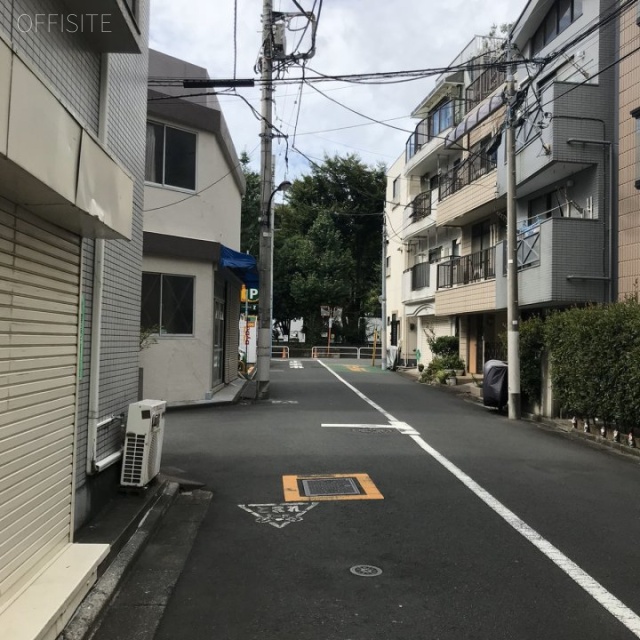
column 365, row 571
column 330, row 487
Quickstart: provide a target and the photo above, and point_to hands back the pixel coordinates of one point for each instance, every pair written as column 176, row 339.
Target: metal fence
column 358, row 353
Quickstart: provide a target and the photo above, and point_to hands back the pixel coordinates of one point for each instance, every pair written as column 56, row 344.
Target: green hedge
column 594, row 354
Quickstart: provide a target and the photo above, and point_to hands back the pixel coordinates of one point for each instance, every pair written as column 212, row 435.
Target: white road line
column 613, row 605
column 358, row 426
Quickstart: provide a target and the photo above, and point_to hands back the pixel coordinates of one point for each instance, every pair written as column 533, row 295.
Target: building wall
column 119, row 358
column 68, row 65
column 188, row 358
column 207, row 216
column 469, row 298
column 629, row 196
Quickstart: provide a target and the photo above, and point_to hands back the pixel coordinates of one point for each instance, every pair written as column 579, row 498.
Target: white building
column 193, row 194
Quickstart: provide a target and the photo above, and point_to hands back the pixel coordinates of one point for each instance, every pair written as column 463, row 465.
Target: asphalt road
column 468, row 525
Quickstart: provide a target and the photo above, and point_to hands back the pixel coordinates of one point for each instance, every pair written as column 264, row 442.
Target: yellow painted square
column 292, row 493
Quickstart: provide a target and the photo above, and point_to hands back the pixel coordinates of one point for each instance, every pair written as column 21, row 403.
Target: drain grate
column 330, row 487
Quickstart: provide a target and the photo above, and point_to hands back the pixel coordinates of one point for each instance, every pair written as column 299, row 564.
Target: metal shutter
column 39, row 300
column 232, row 338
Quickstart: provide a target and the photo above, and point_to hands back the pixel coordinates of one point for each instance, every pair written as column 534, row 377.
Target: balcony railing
column 420, row 276
column 444, row 117
column 528, row 248
column 466, row 269
column 485, row 84
column 474, row 167
column 420, row 207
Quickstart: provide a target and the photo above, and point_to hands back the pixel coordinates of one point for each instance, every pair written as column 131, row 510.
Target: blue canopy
column 242, row 264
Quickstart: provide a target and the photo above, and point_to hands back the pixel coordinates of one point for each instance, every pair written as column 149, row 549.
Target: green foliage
column 441, row 376
column 531, row 349
column 595, row 360
column 327, row 249
column 250, row 213
column 444, row 346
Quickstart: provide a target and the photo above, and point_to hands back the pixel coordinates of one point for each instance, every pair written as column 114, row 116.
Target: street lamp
column 265, row 300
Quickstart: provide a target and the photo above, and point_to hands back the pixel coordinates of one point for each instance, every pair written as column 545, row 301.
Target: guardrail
column 344, row 352
column 280, row 352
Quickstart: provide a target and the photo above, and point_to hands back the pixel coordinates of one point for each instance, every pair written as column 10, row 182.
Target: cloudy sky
column 354, row 36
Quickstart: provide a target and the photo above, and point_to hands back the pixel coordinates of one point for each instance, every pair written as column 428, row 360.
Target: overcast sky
column 354, row 36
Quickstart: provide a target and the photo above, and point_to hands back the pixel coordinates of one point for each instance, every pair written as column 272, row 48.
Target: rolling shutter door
column 39, row 300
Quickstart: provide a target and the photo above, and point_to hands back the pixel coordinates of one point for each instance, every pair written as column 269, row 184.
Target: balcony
column 484, row 85
column 417, row 283
column 418, row 215
column 474, row 267
column 468, row 192
column 560, row 262
column 432, row 127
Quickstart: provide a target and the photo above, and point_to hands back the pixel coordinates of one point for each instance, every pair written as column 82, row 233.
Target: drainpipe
column 98, row 291
column 609, row 217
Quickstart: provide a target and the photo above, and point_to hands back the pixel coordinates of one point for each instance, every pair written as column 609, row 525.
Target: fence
column 358, row 353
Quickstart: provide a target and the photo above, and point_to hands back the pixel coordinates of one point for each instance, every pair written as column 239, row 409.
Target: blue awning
column 242, row 264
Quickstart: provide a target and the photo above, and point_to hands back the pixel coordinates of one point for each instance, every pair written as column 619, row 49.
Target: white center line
column 606, row 599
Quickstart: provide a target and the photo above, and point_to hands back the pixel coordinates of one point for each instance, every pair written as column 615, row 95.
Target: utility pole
column 383, row 297
column 266, row 230
column 513, row 314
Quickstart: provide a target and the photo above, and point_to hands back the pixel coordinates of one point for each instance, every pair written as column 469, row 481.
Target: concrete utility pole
column 383, row 297
column 513, row 314
column 266, row 232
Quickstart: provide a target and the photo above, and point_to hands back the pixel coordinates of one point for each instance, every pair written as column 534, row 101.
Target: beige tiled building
column 629, row 154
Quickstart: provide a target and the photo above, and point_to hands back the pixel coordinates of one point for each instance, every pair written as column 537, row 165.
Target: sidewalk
column 471, row 393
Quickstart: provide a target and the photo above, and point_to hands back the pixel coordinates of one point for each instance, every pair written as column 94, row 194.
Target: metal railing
column 474, row 267
column 358, row 353
column 420, row 275
column 474, row 167
column 528, row 249
column 420, row 207
column 279, row 351
column 444, row 117
column 485, row 84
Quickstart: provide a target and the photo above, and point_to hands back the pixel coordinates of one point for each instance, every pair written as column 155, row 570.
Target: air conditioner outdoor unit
column 143, row 442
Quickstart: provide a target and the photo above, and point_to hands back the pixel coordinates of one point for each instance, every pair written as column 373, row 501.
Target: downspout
column 98, row 292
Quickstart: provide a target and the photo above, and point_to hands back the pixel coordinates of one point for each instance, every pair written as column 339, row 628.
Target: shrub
column 531, row 348
column 444, row 345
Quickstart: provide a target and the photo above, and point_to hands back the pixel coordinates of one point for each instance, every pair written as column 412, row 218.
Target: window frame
column 541, row 38
column 162, row 276
column 164, row 183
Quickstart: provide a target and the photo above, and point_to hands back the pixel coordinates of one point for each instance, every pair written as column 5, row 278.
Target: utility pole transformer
column 513, row 314
column 266, row 228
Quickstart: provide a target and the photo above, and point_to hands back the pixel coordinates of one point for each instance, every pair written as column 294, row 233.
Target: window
column 395, row 189
column 435, row 255
column 442, row 118
column 170, row 156
column 167, row 304
column 562, row 14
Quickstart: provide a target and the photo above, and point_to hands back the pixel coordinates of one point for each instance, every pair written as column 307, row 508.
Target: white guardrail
column 344, row 352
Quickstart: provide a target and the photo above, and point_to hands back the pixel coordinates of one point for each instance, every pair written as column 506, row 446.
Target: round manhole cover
column 365, row 571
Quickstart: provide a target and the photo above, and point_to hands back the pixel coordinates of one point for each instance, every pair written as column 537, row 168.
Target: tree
column 341, row 199
column 250, row 215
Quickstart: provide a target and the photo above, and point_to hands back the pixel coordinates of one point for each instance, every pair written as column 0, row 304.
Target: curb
column 85, row 619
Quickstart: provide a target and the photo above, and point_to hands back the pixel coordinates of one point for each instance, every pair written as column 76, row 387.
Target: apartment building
column 72, row 136
column 566, row 191
column 444, row 226
column 628, row 229
column 192, row 268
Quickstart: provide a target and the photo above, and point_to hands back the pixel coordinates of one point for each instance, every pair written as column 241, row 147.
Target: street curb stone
column 85, row 620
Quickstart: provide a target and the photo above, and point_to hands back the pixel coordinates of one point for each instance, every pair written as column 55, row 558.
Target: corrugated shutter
column 39, row 301
column 232, row 337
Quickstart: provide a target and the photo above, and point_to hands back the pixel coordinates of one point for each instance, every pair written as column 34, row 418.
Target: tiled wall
column 62, row 60
column 629, row 196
